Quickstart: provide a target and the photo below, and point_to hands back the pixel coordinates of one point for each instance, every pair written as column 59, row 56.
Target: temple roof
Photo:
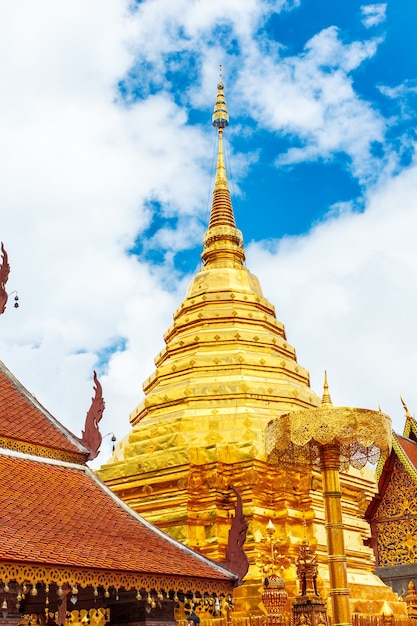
column 26, row 425
column 59, row 516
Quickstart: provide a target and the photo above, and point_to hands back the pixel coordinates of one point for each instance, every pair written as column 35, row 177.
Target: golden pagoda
column 226, row 371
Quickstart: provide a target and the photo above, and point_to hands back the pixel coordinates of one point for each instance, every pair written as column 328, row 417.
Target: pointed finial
column 4, row 275
column 407, row 412
column 220, row 117
column 223, row 242
column 326, row 399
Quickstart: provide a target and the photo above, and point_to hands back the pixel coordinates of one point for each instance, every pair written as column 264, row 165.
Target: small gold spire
column 223, row 242
column 326, row 399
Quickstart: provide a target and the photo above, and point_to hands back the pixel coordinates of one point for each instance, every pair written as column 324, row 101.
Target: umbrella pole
column 339, row 592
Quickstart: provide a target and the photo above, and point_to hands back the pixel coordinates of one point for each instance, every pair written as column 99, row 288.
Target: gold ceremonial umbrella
column 330, row 438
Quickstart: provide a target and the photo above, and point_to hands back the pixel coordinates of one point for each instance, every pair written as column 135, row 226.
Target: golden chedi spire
column 226, row 367
column 223, row 242
column 326, row 399
column 226, row 370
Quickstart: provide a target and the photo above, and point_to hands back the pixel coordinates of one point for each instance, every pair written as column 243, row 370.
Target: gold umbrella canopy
column 296, row 438
column 332, row 438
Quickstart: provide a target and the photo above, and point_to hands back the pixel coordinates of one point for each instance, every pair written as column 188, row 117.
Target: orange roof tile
column 24, row 419
column 409, row 448
column 61, row 514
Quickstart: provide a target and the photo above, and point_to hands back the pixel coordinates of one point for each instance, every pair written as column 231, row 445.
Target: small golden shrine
column 227, row 370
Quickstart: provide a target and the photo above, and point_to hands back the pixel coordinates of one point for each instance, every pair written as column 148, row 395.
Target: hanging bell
column 6, row 588
column 95, row 592
column 138, row 596
column 60, row 592
column 4, row 605
column 34, row 591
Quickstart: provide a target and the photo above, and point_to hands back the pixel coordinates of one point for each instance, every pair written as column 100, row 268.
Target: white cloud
column 80, row 171
column 373, row 14
column 311, row 96
column 347, row 295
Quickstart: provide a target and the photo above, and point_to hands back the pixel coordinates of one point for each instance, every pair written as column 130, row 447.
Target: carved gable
column 396, row 519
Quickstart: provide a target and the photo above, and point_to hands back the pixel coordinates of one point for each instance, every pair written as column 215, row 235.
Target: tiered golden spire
column 223, row 242
column 326, row 399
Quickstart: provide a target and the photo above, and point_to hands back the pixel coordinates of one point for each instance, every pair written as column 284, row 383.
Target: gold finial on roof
column 407, row 412
column 326, row 399
column 223, row 242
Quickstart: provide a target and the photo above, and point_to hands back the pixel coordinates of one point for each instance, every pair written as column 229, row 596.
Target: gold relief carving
column 179, row 441
column 217, row 337
column 211, row 479
column 182, row 483
column 147, row 489
column 397, row 541
column 97, row 578
column 194, row 482
column 400, row 496
column 213, row 424
column 35, row 450
column 248, row 435
column 362, row 501
column 396, row 521
column 251, row 478
column 222, row 482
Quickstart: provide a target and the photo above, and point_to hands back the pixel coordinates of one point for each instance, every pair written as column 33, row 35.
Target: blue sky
column 106, row 156
column 291, row 197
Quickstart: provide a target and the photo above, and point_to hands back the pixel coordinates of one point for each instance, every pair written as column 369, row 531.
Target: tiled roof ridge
column 402, row 454
column 39, row 407
column 126, row 508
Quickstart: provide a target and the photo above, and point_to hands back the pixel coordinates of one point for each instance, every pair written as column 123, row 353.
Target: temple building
column 198, row 437
column 71, row 551
column 392, row 512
